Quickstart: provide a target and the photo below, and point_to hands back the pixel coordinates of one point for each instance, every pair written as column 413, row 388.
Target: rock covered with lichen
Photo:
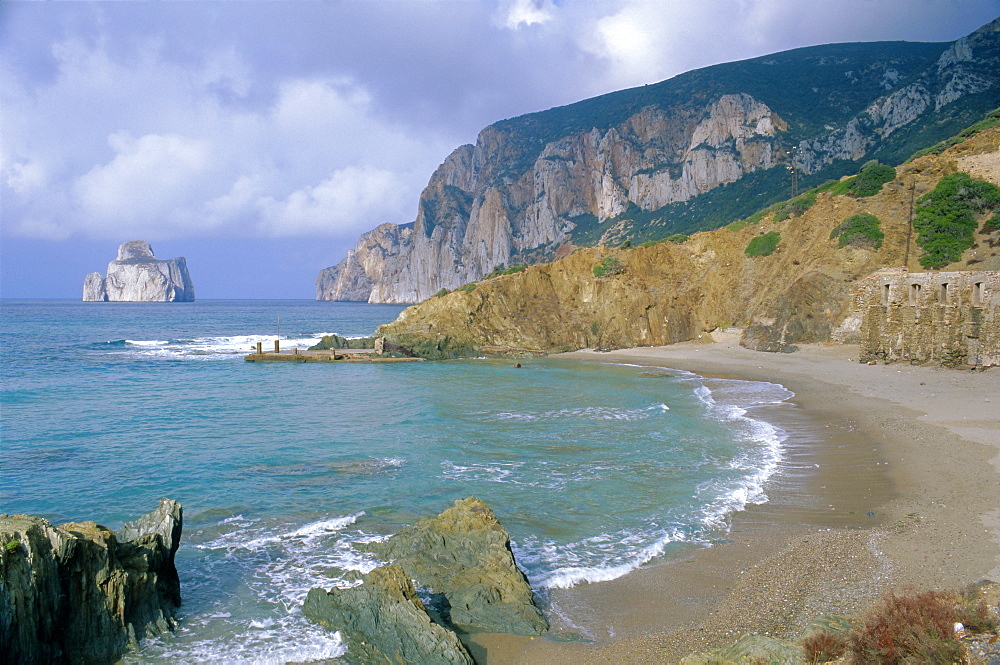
column 81, row 593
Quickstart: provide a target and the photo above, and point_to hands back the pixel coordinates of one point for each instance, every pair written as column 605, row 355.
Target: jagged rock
column 94, row 289
column 383, row 621
column 138, row 276
column 76, row 593
column 534, row 186
column 672, row 292
column 463, row 556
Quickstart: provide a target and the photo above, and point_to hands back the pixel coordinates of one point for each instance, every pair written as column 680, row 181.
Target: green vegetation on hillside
column 763, row 245
column 500, row 271
column 868, row 181
column 609, row 266
column 946, row 217
column 808, row 87
column 861, row 230
column 992, row 119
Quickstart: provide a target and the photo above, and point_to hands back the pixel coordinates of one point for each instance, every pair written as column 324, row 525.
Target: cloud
column 349, row 194
column 517, row 13
column 147, row 183
column 170, row 120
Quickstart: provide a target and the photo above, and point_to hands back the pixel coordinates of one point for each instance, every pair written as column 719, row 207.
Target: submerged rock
column 383, row 621
column 138, row 276
column 463, row 556
column 79, row 593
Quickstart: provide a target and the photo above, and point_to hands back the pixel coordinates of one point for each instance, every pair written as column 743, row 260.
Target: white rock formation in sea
column 138, row 276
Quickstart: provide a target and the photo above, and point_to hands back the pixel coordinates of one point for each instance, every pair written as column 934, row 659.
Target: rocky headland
column 798, row 289
column 462, row 558
column 689, row 154
column 81, row 593
column 138, row 276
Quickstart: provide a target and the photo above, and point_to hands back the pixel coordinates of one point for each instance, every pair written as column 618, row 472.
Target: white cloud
column 517, row 13
column 146, row 182
column 348, row 196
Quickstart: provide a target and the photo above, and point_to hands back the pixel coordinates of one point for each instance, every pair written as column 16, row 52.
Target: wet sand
column 891, row 480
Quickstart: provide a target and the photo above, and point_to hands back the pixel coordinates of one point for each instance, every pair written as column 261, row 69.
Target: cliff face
column 138, row 276
column 671, row 292
column 623, row 166
column 79, row 592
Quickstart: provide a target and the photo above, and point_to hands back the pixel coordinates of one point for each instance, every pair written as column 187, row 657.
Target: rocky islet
column 138, row 276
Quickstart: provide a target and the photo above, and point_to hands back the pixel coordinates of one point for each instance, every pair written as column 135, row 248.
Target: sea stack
column 138, row 276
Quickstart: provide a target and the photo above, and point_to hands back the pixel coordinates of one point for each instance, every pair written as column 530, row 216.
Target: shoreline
column 902, row 490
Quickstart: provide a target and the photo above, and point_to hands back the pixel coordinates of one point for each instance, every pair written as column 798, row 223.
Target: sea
column 595, row 469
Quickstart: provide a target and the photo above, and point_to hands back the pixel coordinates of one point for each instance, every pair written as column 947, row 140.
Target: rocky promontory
column 138, row 276
column 81, row 593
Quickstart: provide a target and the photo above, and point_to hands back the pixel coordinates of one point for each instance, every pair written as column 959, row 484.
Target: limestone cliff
column 138, row 276
column 637, row 164
column 670, row 292
column 79, row 593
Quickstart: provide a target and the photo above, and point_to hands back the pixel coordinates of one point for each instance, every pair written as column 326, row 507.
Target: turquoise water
column 594, row 469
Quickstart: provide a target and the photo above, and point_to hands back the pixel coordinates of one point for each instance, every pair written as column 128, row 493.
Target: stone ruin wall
column 947, row 318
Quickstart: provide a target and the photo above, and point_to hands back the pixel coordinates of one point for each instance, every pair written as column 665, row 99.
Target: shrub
column 992, row 224
column 467, row 288
column 945, row 221
column 867, row 182
column 861, row 230
column 609, row 266
column 918, row 628
column 678, row 238
column 824, row 646
column 763, row 245
column 498, row 271
column 625, row 245
column 442, row 292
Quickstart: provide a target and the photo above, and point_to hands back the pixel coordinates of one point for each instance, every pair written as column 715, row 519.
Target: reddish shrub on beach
column 824, row 646
column 918, row 628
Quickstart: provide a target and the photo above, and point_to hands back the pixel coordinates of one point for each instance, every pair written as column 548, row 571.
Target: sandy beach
column 891, row 480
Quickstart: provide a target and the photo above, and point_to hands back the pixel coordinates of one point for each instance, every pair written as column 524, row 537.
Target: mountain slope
column 669, row 292
column 691, row 153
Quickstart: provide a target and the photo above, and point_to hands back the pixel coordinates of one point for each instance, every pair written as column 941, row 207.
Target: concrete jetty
column 296, row 355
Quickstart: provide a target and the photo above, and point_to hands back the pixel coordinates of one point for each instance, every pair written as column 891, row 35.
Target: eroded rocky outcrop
column 80, row 593
column 383, row 621
column 672, row 292
column 537, row 185
column 463, row 556
column 138, row 276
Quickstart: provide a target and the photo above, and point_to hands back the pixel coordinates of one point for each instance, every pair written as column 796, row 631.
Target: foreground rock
column 138, row 276
column 463, row 556
column 80, row 593
column 383, row 621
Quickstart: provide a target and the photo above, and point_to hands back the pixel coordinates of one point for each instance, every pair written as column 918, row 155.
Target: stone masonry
column 946, row 318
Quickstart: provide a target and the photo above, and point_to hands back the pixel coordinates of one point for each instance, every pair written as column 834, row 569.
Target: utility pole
column 795, row 174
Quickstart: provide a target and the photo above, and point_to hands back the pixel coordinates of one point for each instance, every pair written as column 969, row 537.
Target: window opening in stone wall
column 977, row 294
column 943, row 293
column 885, row 295
column 914, row 293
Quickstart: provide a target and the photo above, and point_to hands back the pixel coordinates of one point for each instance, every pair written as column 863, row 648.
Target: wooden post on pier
column 260, row 347
column 277, row 346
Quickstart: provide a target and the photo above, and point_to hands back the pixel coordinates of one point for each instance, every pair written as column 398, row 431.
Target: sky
column 259, row 139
